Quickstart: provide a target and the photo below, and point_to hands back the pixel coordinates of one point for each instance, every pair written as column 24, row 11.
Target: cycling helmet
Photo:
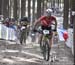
column 24, row 19
column 48, row 12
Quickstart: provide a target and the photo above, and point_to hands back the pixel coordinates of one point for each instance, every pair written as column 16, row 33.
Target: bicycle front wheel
column 46, row 50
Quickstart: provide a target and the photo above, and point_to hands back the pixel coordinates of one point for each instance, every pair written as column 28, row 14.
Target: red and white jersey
column 46, row 21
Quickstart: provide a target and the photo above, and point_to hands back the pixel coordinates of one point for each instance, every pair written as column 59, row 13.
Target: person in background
column 6, row 22
column 24, row 27
column 12, row 23
column 1, row 18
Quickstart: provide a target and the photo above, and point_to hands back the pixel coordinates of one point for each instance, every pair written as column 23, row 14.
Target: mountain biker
column 24, row 25
column 45, row 22
column 24, row 21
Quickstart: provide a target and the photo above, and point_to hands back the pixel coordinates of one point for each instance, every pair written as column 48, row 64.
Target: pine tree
column 15, row 9
column 23, row 7
column 66, row 11
column 38, row 8
column 0, row 7
column 5, row 8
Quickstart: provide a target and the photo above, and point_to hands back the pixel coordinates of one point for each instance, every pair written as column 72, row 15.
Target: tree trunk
column 0, row 7
column 15, row 9
column 61, row 2
column 33, row 10
column 38, row 8
column 42, row 7
column 54, row 3
column 29, row 7
column 5, row 8
column 66, row 11
column 19, row 9
column 46, row 1
column 23, row 7
column 70, row 2
column 58, row 3
column 10, row 8
column 51, row 3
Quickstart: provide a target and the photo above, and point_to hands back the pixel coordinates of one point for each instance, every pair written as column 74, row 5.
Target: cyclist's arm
column 55, row 32
column 54, row 19
column 36, row 22
column 55, row 24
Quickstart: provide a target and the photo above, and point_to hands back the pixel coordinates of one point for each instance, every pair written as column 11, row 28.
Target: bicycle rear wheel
column 23, row 37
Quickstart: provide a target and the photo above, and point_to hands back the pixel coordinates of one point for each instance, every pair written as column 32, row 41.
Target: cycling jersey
column 24, row 21
column 47, row 21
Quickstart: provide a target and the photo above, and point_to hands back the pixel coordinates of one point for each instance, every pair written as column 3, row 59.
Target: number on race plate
column 46, row 31
column 23, row 27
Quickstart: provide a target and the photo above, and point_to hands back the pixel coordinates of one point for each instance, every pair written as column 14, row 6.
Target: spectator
column 1, row 18
column 12, row 23
column 6, row 22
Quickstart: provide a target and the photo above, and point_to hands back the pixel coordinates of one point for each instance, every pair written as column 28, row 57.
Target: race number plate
column 46, row 31
column 23, row 27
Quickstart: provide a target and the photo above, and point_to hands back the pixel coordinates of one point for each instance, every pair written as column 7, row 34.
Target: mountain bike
column 23, row 35
column 45, row 43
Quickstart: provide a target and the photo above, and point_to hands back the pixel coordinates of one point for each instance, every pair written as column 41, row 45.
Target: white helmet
column 48, row 12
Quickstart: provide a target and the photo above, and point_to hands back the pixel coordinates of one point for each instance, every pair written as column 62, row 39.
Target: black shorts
column 46, row 28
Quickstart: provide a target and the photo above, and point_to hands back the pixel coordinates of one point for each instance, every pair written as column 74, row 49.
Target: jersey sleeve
column 54, row 18
column 41, row 18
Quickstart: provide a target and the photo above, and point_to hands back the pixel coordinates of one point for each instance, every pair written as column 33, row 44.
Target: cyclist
column 24, row 21
column 24, row 24
column 12, row 23
column 6, row 22
column 1, row 18
column 45, row 22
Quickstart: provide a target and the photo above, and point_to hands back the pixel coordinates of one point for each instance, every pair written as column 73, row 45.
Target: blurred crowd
column 13, row 23
column 21, row 26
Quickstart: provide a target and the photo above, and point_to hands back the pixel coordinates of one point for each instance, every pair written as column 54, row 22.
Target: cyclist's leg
column 51, row 42
column 21, row 37
column 51, row 36
column 40, row 38
column 25, row 36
